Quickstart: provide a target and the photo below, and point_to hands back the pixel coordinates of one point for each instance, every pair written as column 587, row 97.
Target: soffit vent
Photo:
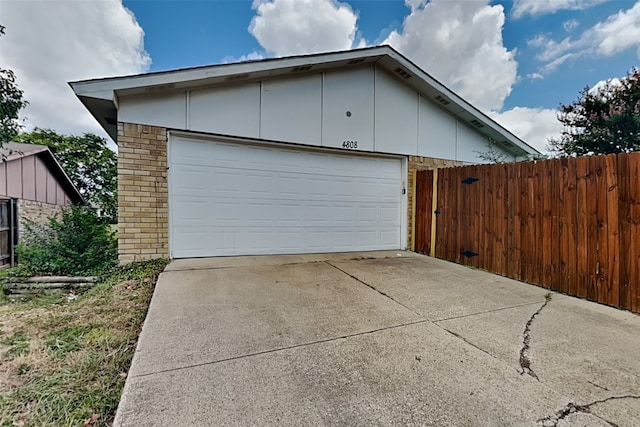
column 355, row 61
column 476, row 123
column 301, row 68
column 442, row 100
column 402, row 73
column 237, row 77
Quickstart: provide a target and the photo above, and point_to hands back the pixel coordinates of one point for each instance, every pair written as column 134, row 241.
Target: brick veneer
column 32, row 212
column 421, row 163
column 143, row 227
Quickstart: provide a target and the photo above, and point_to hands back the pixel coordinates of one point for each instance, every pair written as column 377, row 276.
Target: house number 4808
column 349, row 144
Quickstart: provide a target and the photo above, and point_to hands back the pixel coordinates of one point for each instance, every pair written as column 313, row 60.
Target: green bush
column 79, row 243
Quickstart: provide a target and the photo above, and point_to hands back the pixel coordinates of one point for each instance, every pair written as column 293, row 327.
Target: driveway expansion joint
column 525, row 360
column 572, row 408
column 276, row 350
column 478, row 313
column 375, row 289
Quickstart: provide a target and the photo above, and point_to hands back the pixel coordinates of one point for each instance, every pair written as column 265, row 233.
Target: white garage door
column 240, row 199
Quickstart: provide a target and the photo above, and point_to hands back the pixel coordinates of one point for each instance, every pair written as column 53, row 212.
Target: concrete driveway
column 384, row 338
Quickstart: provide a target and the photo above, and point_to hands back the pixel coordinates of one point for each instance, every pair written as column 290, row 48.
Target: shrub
column 79, row 243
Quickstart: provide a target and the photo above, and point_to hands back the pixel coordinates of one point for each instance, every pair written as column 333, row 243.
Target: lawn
column 64, row 357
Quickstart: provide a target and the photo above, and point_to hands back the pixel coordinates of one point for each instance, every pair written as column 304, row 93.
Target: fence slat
column 624, row 230
column 611, row 280
column 634, row 249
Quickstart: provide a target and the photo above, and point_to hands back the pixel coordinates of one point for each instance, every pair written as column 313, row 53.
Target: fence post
column 414, row 174
column 434, row 207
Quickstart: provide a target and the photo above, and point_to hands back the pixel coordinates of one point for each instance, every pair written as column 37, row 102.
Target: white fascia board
column 202, row 76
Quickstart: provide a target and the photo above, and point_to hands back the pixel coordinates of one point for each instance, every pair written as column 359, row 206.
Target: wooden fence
column 8, row 231
column 570, row 225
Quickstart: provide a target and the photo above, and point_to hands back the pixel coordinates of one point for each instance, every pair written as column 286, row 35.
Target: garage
column 301, row 154
column 238, row 198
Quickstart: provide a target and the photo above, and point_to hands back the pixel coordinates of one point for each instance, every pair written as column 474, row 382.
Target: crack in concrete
column 572, row 408
column 375, row 289
column 275, row 350
column 525, row 360
column 598, row 386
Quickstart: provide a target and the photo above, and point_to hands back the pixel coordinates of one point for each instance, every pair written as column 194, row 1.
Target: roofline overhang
column 100, row 96
column 51, row 161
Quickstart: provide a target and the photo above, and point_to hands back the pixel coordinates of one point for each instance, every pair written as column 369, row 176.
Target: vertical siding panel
column 41, row 173
column 51, row 188
column 613, row 254
column 60, row 194
column 3, row 178
column 14, row 178
column 29, row 178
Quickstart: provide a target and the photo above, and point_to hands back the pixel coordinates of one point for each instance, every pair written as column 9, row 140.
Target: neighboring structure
column 33, row 188
column 302, row 154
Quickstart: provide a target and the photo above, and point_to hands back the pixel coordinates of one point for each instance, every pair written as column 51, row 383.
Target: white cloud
column 49, row 43
column 533, row 125
column 293, row 27
column 460, row 43
column 542, row 7
column 616, row 34
column 570, row 25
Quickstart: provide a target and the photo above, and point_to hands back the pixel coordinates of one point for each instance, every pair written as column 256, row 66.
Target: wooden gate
column 8, row 231
column 571, row 225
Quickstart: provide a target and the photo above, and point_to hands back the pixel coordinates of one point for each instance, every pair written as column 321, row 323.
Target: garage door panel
column 235, row 199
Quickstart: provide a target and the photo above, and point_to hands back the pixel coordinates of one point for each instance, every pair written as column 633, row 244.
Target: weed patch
column 64, row 361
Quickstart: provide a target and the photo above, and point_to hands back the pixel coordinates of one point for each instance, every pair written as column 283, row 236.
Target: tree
column 11, row 102
column 89, row 162
column 605, row 119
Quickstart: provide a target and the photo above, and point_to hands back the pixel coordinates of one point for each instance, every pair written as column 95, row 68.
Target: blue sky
column 516, row 60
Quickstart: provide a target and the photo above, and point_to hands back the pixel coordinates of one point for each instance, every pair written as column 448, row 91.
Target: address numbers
column 350, row 144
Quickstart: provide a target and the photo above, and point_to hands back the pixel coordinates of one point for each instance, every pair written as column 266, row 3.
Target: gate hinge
column 468, row 253
column 469, row 180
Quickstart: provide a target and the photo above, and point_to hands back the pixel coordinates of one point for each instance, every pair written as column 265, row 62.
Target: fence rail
column 571, row 225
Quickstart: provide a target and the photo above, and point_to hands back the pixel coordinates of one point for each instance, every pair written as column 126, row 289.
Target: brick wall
column 143, row 230
column 421, row 163
column 38, row 213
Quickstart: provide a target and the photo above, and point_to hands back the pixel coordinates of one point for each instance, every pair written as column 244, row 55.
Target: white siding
column 396, row 116
column 350, row 91
column 167, row 110
column 437, row 132
column 470, row 144
column 386, row 116
column 229, row 111
column 292, row 110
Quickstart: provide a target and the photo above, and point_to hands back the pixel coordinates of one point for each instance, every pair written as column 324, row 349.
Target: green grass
column 66, row 360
